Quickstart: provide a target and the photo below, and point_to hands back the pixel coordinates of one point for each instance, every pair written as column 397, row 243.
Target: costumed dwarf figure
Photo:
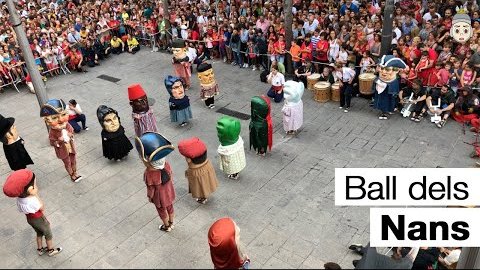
column 181, row 62
column 208, row 84
column 179, row 103
column 261, row 128
column 293, row 107
column 461, row 30
column 13, row 145
column 153, row 149
column 22, row 185
column 202, row 180
column 115, row 144
column 61, row 135
column 143, row 117
column 387, row 85
column 230, row 150
column 225, row 248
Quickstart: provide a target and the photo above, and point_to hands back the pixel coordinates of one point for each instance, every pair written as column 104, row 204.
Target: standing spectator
column 296, row 52
column 348, row 6
column 311, row 24
column 279, row 48
column 262, row 24
column 346, row 76
column 75, row 115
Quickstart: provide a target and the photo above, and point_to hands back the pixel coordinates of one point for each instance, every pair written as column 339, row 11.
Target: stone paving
column 284, row 203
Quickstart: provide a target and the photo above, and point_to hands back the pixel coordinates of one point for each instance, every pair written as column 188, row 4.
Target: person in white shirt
column 345, row 75
column 278, row 81
column 75, row 115
column 452, row 256
column 310, row 25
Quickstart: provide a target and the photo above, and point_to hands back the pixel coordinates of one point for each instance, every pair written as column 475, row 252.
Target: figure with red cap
column 230, row 150
column 179, row 103
column 153, row 149
column 22, row 185
column 13, row 145
column 181, row 61
column 61, row 135
column 225, row 248
column 261, row 128
column 202, row 180
column 143, row 117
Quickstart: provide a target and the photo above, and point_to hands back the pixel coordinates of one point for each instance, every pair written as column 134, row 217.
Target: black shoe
column 355, row 262
column 357, row 248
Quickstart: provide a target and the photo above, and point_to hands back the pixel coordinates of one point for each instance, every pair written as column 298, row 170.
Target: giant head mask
column 389, row 68
column 175, row 87
column 293, row 91
column 8, row 131
column 108, row 118
column 179, row 49
column 153, row 148
column 205, row 74
column 55, row 114
column 461, row 30
column 260, row 107
column 228, row 130
column 138, row 98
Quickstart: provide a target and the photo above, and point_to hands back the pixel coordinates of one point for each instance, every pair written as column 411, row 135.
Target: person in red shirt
column 306, row 48
column 279, row 48
column 321, row 51
column 76, row 60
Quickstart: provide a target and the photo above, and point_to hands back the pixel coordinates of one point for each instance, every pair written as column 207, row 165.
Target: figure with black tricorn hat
column 387, row 85
column 61, row 135
column 115, row 145
column 13, row 145
column 153, row 149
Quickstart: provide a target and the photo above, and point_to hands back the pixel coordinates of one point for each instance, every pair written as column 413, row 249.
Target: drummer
column 305, row 70
column 327, row 76
column 419, row 98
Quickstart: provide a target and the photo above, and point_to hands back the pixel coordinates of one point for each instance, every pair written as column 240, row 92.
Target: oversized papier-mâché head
column 293, row 91
column 205, row 74
column 153, row 148
column 8, row 131
column 389, row 68
column 179, row 49
column 108, row 118
column 260, row 107
column 138, row 98
column 228, row 130
column 55, row 114
column 461, row 30
column 175, row 87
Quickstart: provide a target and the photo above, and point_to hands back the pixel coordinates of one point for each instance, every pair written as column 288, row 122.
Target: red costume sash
column 269, row 123
column 37, row 214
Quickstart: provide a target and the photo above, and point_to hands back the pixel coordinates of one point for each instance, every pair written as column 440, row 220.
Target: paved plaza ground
column 284, row 203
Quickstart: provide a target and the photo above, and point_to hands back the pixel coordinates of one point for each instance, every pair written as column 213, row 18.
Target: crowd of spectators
column 68, row 35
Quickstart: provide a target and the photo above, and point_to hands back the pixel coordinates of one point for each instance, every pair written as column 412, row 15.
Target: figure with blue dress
column 179, row 103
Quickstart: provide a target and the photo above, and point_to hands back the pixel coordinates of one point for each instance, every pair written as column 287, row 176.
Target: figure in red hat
column 225, row 246
column 202, row 180
column 143, row 117
column 61, row 135
column 22, row 185
column 13, row 145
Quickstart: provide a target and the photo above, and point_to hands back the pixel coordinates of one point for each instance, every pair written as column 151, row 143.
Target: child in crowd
column 468, row 76
column 441, row 74
column 455, row 75
column 252, row 54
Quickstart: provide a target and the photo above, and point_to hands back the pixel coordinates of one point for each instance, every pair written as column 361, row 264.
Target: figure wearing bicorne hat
column 22, row 184
column 61, row 135
column 153, row 149
column 143, row 117
column 293, row 107
column 13, row 145
column 261, row 128
column 202, row 180
column 387, row 85
column 179, row 103
column 208, row 84
column 230, row 150
column 115, row 145
column 181, row 62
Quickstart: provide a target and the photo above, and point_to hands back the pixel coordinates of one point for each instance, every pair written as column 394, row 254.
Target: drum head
column 322, row 85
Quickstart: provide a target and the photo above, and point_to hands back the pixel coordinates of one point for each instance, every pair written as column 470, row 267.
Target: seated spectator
column 327, row 76
column 466, row 106
column 117, row 45
column 446, row 97
column 305, row 70
column 75, row 115
column 449, row 257
column 76, row 60
column 132, row 43
column 419, row 97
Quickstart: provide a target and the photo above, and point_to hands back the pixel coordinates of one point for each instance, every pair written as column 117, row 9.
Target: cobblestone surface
column 284, row 203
